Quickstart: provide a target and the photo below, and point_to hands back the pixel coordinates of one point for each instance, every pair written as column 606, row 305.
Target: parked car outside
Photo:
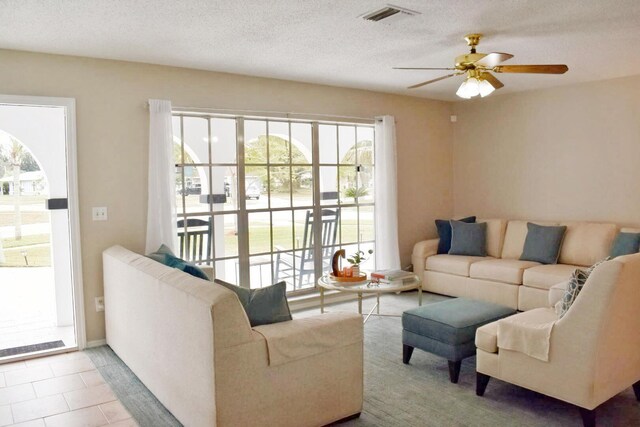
column 193, row 189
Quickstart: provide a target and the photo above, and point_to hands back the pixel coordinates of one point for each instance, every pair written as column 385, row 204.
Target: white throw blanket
column 290, row 341
column 528, row 333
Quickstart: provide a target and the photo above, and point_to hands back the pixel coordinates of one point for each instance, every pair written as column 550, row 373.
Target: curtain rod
column 264, row 112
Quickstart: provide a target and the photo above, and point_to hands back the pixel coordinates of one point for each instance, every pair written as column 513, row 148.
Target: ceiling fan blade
column 497, row 84
column 539, row 69
column 493, row 59
column 432, row 81
column 414, row 68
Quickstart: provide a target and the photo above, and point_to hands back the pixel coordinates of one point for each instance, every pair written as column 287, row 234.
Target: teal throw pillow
column 625, row 244
column 443, row 226
column 575, row 285
column 468, row 239
column 262, row 305
column 543, row 243
column 165, row 256
column 159, row 255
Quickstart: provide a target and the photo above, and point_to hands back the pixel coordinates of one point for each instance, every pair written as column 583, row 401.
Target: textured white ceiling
column 324, row 41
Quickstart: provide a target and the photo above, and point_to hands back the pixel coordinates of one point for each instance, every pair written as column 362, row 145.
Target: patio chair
column 300, row 263
column 195, row 241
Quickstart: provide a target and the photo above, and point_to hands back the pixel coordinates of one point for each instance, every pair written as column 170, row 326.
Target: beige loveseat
column 501, row 277
column 190, row 342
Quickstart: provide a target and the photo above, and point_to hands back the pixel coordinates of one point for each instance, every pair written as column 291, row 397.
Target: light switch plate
column 100, row 214
column 99, row 304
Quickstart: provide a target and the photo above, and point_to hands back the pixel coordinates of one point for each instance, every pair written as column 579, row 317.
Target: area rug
column 417, row 394
column 15, row 351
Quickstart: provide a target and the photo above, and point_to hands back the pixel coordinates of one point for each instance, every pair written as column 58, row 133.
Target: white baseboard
column 96, row 343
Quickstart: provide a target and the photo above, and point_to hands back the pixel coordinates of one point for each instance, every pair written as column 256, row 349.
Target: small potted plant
column 356, row 259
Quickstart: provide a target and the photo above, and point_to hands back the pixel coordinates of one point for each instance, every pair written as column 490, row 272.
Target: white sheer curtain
column 161, row 208
column 386, row 199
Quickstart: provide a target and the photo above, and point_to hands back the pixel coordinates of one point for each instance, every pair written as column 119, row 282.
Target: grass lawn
column 8, row 218
column 37, row 247
column 39, row 256
column 259, row 239
column 6, row 199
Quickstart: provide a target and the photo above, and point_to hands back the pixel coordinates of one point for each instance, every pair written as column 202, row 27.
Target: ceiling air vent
column 388, row 13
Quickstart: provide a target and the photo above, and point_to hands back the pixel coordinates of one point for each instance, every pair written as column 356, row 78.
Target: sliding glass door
column 262, row 200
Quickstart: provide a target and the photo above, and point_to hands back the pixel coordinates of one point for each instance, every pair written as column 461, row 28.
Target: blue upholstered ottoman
column 448, row 329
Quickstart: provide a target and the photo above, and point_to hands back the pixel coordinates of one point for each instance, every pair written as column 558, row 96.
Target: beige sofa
column 501, row 277
column 592, row 351
column 189, row 341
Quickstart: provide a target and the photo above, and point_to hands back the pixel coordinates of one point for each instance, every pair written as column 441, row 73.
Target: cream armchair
column 593, row 350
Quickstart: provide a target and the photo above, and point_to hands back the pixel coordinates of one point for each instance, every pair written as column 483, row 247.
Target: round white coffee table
column 369, row 287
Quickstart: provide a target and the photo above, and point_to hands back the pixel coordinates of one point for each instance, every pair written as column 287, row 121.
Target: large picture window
column 262, row 200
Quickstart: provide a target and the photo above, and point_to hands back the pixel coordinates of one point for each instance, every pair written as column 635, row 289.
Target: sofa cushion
column 452, row 264
column 515, row 236
column 264, row 306
column 443, row 226
column 468, row 239
column 542, row 243
column 586, row 243
column 545, row 276
column 501, row 270
column 625, row 244
column 495, row 236
column 487, row 337
column 556, row 292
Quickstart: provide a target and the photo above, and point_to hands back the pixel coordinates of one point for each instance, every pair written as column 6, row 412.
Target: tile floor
column 63, row 390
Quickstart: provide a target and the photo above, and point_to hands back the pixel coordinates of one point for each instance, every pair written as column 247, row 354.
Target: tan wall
column 112, row 125
column 566, row 153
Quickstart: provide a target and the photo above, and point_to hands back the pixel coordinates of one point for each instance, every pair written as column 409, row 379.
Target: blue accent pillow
column 263, row 305
column 444, row 232
column 468, row 239
column 543, row 243
column 625, row 244
column 165, row 256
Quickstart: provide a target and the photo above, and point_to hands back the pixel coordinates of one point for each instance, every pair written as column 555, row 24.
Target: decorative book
column 391, row 275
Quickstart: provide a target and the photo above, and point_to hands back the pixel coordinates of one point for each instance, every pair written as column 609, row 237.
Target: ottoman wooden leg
column 407, row 351
column 454, row 370
column 481, row 383
column 588, row 417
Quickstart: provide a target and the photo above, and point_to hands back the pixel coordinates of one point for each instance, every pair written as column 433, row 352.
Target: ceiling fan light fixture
column 462, row 92
column 473, row 86
column 486, row 88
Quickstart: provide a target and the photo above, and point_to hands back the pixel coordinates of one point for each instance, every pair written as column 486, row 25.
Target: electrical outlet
column 100, row 214
column 99, row 304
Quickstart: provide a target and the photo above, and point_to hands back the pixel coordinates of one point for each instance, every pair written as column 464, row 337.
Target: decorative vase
column 355, row 270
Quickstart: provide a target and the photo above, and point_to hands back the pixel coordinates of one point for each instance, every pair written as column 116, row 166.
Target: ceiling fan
column 477, row 67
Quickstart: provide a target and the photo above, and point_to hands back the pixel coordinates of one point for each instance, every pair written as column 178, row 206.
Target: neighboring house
column 31, row 183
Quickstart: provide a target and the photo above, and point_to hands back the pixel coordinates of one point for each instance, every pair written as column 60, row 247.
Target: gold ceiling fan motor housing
column 465, row 62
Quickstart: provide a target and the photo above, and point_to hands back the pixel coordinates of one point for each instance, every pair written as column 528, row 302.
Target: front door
column 38, row 307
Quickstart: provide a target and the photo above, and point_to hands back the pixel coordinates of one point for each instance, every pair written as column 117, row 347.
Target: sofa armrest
column 300, row 338
column 556, row 292
column 421, row 251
